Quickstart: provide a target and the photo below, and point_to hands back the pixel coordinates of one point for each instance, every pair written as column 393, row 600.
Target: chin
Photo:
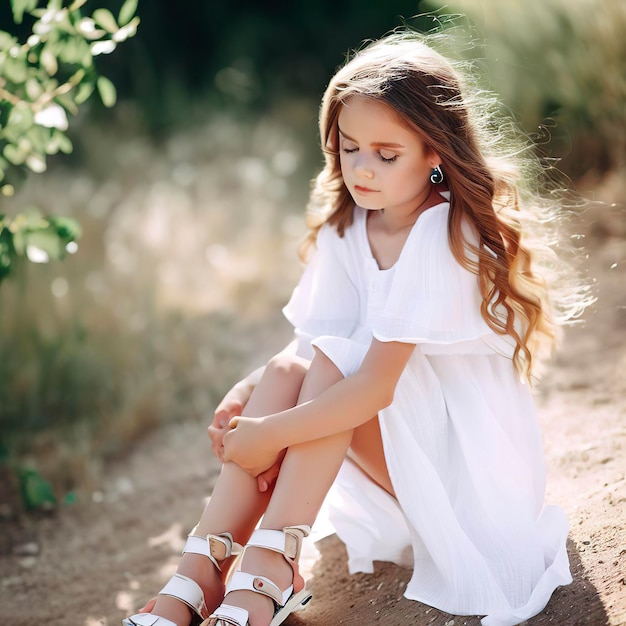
column 366, row 203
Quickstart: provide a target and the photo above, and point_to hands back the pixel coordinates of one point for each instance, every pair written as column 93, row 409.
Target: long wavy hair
column 487, row 170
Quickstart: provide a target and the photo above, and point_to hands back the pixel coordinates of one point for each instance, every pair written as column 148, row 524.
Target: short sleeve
column 325, row 301
column 434, row 301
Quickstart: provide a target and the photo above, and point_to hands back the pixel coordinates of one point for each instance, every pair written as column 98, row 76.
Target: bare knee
column 287, row 368
column 279, row 387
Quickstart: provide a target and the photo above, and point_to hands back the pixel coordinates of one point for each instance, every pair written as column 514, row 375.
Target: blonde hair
column 486, row 176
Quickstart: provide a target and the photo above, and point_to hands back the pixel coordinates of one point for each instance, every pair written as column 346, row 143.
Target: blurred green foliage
column 42, row 80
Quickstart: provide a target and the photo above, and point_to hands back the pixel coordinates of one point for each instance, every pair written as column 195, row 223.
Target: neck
column 406, row 220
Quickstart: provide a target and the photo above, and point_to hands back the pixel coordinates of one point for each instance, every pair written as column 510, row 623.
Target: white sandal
column 216, row 548
column 287, row 542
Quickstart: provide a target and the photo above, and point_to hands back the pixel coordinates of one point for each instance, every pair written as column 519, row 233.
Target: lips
column 364, row 190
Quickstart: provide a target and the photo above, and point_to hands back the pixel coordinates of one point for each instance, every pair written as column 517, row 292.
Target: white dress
column 461, row 440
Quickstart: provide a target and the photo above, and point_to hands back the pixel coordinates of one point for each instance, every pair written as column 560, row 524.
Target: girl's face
column 384, row 164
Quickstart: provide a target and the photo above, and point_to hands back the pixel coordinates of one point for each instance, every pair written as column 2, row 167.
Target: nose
column 362, row 167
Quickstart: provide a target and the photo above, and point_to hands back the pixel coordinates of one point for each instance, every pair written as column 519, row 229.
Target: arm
column 344, row 406
column 233, row 403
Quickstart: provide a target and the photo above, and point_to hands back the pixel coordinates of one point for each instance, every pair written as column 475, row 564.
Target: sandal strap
column 147, row 619
column 228, row 615
column 287, row 542
column 242, row 581
column 188, row 591
column 214, row 547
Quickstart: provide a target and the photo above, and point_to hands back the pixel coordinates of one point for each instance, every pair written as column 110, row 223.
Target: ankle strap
column 215, row 547
column 188, row 591
column 287, row 542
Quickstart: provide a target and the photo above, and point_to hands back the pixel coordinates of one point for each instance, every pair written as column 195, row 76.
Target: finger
column 216, row 450
column 211, row 431
column 265, row 479
column 233, row 422
column 235, row 408
column 225, row 455
column 215, row 434
column 220, row 419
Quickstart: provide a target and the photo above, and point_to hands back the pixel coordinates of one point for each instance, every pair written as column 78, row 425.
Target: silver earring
column 436, row 175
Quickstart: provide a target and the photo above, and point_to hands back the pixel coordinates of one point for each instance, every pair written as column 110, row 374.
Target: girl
column 418, row 322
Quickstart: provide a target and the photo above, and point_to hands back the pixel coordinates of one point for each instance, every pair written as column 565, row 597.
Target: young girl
column 418, row 320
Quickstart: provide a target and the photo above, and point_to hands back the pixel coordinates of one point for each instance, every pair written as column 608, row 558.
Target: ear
column 433, row 157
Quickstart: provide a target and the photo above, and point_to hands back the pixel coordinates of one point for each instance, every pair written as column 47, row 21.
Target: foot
column 271, row 565
column 267, row 582
column 202, row 571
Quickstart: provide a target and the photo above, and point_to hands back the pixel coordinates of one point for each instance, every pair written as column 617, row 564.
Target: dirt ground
column 93, row 562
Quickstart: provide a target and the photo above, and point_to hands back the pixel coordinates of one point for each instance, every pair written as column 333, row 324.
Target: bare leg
column 366, row 450
column 305, row 477
column 236, row 504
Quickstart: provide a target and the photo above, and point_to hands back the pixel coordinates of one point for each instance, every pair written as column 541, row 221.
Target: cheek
column 342, row 161
column 410, row 180
column 409, row 176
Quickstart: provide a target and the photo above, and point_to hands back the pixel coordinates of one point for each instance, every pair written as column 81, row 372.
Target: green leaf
column 83, row 91
column 47, row 241
column 49, row 61
column 33, row 89
column 6, row 247
column 14, row 154
column 66, row 100
column 104, row 18
column 38, row 137
column 107, row 91
column 87, row 29
column 21, row 118
column 76, row 5
column 73, row 50
column 15, row 70
column 7, row 40
column 20, row 7
column 65, row 145
column 36, row 163
column 36, row 491
column 56, row 142
column 66, row 228
column 127, row 12
column 124, row 33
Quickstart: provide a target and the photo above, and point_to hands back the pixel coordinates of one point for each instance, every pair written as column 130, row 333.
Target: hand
column 231, row 405
column 266, row 479
column 247, row 445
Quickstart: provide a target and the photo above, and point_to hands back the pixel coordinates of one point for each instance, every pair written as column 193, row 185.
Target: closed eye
column 380, row 156
column 388, row 160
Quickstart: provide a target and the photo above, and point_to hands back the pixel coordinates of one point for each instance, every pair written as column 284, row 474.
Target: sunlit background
column 191, row 195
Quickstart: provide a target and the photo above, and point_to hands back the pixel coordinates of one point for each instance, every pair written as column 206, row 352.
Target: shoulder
column 433, row 233
column 429, row 237
column 429, row 263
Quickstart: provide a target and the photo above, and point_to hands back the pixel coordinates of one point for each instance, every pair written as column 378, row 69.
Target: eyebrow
column 375, row 144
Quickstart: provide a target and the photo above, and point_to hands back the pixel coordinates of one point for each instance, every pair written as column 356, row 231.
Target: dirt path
column 91, row 563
